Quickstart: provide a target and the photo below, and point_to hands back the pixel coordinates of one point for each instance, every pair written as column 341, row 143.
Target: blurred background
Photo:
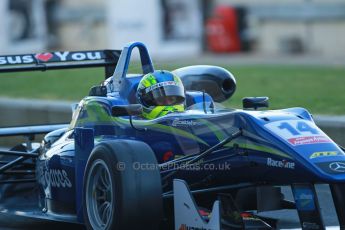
column 176, row 28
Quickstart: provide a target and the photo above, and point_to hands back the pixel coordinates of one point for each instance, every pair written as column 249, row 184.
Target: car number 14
column 300, row 128
column 298, row 132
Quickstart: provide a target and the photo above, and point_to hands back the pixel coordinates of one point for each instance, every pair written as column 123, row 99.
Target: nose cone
column 311, row 147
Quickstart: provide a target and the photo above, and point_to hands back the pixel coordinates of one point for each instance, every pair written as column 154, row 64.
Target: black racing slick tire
column 122, row 187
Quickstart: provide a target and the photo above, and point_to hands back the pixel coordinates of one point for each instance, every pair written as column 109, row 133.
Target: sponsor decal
column 309, row 225
column 178, row 122
column 51, row 57
column 18, row 59
column 168, row 156
column 304, row 199
column 297, row 132
column 54, row 178
column 155, row 86
column 309, row 140
column 337, row 166
column 332, row 167
column 323, row 154
column 280, row 164
column 44, row 56
column 186, row 227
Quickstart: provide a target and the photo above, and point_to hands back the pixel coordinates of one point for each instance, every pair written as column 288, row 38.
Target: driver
column 160, row 93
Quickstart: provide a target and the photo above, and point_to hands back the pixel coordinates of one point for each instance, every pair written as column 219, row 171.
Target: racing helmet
column 160, row 93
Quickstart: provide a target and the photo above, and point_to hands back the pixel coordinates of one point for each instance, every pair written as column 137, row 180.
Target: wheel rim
column 99, row 195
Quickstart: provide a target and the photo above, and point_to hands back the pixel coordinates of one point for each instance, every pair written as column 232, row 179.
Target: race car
column 208, row 167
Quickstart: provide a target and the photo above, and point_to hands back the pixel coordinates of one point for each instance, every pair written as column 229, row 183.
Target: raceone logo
column 280, row 164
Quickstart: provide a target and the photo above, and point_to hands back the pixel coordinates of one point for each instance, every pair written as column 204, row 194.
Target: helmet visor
column 165, row 95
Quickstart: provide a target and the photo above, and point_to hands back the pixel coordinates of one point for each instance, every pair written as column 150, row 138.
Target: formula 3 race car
column 206, row 168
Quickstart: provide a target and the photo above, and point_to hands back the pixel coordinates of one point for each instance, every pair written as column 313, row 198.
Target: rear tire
column 118, row 193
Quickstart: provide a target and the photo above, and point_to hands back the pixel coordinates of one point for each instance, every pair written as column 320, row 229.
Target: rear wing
column 61, row 60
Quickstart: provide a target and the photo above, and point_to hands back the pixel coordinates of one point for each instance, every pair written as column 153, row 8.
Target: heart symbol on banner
column 44, row 56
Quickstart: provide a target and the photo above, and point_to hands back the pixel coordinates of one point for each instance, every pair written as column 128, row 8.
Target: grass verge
column 319, row 89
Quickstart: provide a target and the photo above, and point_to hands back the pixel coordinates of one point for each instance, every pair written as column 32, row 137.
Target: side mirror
column 255, row 102
column 99, row 90
column 126, row 110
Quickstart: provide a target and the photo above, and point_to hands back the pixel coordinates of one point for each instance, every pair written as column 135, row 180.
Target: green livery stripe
column 159, row 111
column 179, row 132
column 97, row 114
column 267, row 150
column 219, row 133
column 162, row 128
column 253, row 146
column 157, row 127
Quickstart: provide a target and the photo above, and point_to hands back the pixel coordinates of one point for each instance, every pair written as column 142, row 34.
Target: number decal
column 297, row 132
column 304, row 127
column 287, row 126
column 300, row 128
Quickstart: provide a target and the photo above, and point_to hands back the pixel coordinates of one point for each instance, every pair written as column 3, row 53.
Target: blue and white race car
column 111, row 169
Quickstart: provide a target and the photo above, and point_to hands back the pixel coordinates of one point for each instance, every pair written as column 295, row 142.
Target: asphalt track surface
column 288, row 218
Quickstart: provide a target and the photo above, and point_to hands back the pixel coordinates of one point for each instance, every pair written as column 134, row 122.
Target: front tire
column 117, row 195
